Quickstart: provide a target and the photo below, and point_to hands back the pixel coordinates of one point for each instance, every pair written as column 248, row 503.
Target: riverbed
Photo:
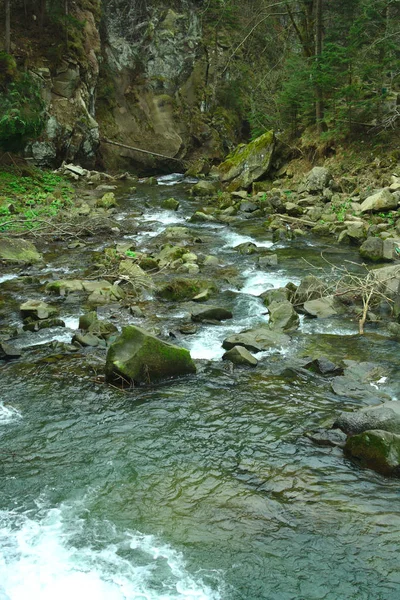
column 204, row 487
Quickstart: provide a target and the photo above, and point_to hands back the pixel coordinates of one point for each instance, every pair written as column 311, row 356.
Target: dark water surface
column 201, row 488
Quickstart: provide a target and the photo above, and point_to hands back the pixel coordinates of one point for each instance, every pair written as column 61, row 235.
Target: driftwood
column 107, row 141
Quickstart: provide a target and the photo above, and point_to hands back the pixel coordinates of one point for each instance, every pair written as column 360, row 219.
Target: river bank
column 214, row 466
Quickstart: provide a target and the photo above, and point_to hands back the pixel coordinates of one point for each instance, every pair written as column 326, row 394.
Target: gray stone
column 372, row 249
column 248, row 207
column 269, row 260
column 205, row 188
column 385, row 416
column 87, row 339
column 37, row 309
column 321, row 307
column 310, row 288
column 8, row 352
column 317, row 179
column 276, row 295
column 327, row 437
column 238, row 355
column 381, row 201
column 257, row 339
column 283, row 316
column 139, row 357
column 205, row 312
column 323, row 366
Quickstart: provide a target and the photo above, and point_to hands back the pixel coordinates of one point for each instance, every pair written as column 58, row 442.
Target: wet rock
column 148, row 264
column 324, row 366
column 381, row 201
column 201, row 217
column 257, row 339
column 317, row 179
column 372, row 249
column 385, row 416
column 238, row 355
column 188, row 329
column 87, row 340
column 178, row 233
column 180, row 290
column 247, row 248
column 205, row 188
column 248, row 162
column 276, row 295
column 18, row 251
column 36, row 309
column 139, row 357
column 359, row 382
column 283, row 316
column 8, row 352
column 170, row 204
column 321, row 308
column 327, row 437
column 206, row 312
column 189, row 268
column 136, row 312
column 202, row 297
column 86, row 320
column 310, row 288
column 377, row 450
column 102, row 329
column 101, row 292
column 211, row 261
column 268, row 260
column 35, row 325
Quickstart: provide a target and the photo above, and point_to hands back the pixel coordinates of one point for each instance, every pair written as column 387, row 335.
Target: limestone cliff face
column 142, row 75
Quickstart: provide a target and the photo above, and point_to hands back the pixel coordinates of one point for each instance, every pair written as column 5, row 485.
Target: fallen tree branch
column 107, row 141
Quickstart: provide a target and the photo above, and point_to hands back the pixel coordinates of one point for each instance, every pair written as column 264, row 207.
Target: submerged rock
column 238, row 355
column 170, row 204
column 379, row 450
column 139, row 357
column 18, row 251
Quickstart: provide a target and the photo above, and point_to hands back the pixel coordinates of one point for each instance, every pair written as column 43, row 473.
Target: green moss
column 379, row 450
column 243, row 151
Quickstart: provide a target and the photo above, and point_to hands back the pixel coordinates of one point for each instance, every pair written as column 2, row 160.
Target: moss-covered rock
column 170, row 204
column 377, row 449
column 180, row 290
column 36, row 309
column 107, row 201
column 139, row 357
column 18, row 251
column 283, row 316
column 248, row 162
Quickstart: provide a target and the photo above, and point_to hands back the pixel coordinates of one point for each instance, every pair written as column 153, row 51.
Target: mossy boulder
column 18, row 251
column 170, row 204
column 376, row 449
column 138, row 357
column 107, row 201
column 36, row 309
column 205, row 188
column 248, row 162
column 385, row 417
column 180, row 290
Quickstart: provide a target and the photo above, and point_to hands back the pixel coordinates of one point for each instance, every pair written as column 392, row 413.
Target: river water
column 198, row 488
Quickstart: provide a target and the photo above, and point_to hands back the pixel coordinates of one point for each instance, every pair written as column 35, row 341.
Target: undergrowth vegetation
column 26, row 200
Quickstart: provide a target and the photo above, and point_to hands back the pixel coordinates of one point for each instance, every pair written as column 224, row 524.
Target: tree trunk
column 319, row 108
column 7, row 37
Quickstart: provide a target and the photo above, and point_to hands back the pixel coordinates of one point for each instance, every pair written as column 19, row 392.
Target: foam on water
column 51, row 557
column 234, row 239
column 71, row 322
column 207, row 343
column 7, row 277
column 7, row 415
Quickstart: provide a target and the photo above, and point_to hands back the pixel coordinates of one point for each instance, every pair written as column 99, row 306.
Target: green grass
column 25, row 200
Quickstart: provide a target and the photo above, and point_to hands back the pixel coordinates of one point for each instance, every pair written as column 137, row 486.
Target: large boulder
column 205, row 188
column 372, row 249
column 139, row 357
column 206, row 312
column 321, row 307
column 238, row 355
column 382, row 200
column 283, row 316
column 388, row 279
column 385, row 416
column 18, row 251
column 257, row 339
column 317, row 179
column 310, row 288
column 248, row 162
column 378, row 450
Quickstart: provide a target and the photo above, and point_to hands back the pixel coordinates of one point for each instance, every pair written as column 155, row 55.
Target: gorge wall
column 144, row 74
